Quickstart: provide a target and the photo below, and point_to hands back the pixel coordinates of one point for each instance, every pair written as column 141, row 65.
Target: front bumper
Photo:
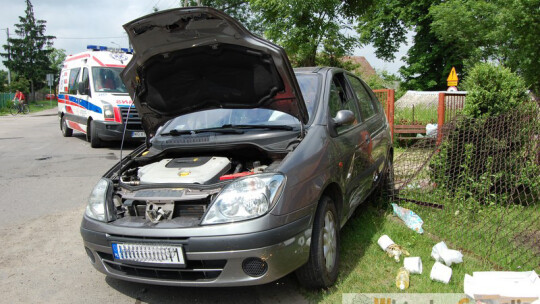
column 212, row 260
column 113, row 131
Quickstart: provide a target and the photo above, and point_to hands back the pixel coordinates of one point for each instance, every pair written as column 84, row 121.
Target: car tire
column 66, row 131
column 322, row 268
column 92, row 136
column 387, row 182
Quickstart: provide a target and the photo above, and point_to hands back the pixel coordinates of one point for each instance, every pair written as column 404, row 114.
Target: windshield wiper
column 174, row 132
column 271, row 127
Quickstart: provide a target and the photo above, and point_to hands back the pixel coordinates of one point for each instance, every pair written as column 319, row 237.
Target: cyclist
column 19, row 96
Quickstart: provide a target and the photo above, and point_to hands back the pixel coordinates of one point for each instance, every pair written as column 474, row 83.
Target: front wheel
column 92, row 136
column 14, row 109
column 321, row 270
column 66, row 131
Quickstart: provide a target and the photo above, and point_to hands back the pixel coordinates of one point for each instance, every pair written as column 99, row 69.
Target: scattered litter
column 402, row 279
column 411, row 219
column 431, row 130
column 392, row 249
column 441, row 253
column 413, row 265
column 385, row 241
column 496, row 287
column 441, row 273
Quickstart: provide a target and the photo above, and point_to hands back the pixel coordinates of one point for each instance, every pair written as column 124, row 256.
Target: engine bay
column 175, row 190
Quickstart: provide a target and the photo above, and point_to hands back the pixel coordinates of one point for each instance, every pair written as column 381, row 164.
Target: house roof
column 365, row 69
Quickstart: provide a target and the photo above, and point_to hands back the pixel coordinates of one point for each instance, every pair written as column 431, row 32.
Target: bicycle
column 18, row 107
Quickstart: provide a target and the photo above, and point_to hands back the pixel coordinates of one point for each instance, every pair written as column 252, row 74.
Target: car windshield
column 219, row 118
column 108, row 80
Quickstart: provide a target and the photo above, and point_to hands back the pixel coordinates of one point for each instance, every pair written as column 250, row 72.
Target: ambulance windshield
column 108, row 79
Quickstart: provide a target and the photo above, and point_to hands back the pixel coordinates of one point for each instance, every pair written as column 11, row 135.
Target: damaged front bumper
column 220, row 260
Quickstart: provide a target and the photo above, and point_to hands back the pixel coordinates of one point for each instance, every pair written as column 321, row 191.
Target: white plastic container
column 413, row 265
column 441, row 273
column 385, row 241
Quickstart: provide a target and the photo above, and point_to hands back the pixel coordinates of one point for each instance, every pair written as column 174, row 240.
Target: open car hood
column 198, row 58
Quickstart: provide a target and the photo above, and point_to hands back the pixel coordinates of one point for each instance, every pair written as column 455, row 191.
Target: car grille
column 134, row 121
column 195, row 270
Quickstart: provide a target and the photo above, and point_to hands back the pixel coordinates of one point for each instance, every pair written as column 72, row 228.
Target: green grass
column 34, row 106
column 417, row 115
column 365, row 268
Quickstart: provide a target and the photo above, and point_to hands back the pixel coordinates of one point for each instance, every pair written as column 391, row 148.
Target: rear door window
column 367, row 108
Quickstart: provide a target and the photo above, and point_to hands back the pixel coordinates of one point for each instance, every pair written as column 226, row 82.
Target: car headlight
column 245, row 198
column 108, row 111
column 97, row 202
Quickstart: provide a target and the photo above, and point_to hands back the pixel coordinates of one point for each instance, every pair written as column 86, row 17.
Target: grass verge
column 365, row 268
column 34, row 106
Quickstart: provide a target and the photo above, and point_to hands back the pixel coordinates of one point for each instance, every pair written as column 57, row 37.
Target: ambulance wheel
column 66, row 131
column 92, row 136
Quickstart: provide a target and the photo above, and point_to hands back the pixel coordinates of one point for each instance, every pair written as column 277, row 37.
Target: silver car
column 250, row 168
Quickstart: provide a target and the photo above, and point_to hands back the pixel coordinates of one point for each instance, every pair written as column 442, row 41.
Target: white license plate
column 138, row 134
column 148, row 253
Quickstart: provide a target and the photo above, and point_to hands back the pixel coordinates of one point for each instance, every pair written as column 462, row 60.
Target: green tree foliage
column 308, row 28
column 20, row 83
column 429, row 60
column 492, row 90
column 503, row 30
column 56, row 58
column 28, row 54
column 3, row 81
column 317, row 32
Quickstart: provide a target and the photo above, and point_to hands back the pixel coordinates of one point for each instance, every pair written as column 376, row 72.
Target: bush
column 492, row 90
column 490, row 156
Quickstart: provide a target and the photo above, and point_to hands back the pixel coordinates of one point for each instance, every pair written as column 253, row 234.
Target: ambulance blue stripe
column 83, row 103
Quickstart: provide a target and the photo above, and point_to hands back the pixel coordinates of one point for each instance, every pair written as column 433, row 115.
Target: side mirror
column 343, row 118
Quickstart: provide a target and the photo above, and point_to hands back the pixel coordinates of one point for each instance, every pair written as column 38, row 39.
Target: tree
column 429, row 60
column 317, row 32
column 56, row 58
column 3, row 81
column 28, row 55
column 308, row 28
column 500, row 30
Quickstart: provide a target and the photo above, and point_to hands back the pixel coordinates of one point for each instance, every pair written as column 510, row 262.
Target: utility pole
column 9, row 55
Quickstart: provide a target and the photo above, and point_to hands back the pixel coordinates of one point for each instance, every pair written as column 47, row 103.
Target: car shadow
column 283, row 290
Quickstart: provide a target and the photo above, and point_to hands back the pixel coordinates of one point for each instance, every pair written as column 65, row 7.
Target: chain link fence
column 479, row 189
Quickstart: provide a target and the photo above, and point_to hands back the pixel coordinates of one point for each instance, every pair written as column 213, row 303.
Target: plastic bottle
column 402, row 279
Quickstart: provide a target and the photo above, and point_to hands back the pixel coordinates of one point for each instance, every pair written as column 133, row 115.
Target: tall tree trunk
column 32, row 96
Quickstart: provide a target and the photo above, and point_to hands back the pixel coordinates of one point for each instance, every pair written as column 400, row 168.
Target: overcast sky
column 77, row 24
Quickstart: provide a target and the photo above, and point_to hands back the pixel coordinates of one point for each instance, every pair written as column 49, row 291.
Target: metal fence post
column 390, row 102
column 440, row 121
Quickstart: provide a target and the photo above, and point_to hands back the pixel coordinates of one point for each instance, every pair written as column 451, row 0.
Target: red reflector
column 235, row 175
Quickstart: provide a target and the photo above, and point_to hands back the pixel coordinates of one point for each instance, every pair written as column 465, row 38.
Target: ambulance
column 92, row 98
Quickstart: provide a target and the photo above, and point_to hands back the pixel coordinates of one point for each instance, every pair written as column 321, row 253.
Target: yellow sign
column 452, row 78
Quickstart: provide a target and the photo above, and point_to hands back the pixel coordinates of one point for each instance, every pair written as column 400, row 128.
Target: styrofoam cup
column 385, row 241
column 441, row 273
column 413, row 265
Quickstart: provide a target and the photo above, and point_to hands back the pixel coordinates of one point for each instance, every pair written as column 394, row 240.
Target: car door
column 72, row 108
column 372, row 115
column 84, row 94
column 350, row 144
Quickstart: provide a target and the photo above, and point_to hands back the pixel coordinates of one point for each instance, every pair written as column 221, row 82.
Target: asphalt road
column 45, row 180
